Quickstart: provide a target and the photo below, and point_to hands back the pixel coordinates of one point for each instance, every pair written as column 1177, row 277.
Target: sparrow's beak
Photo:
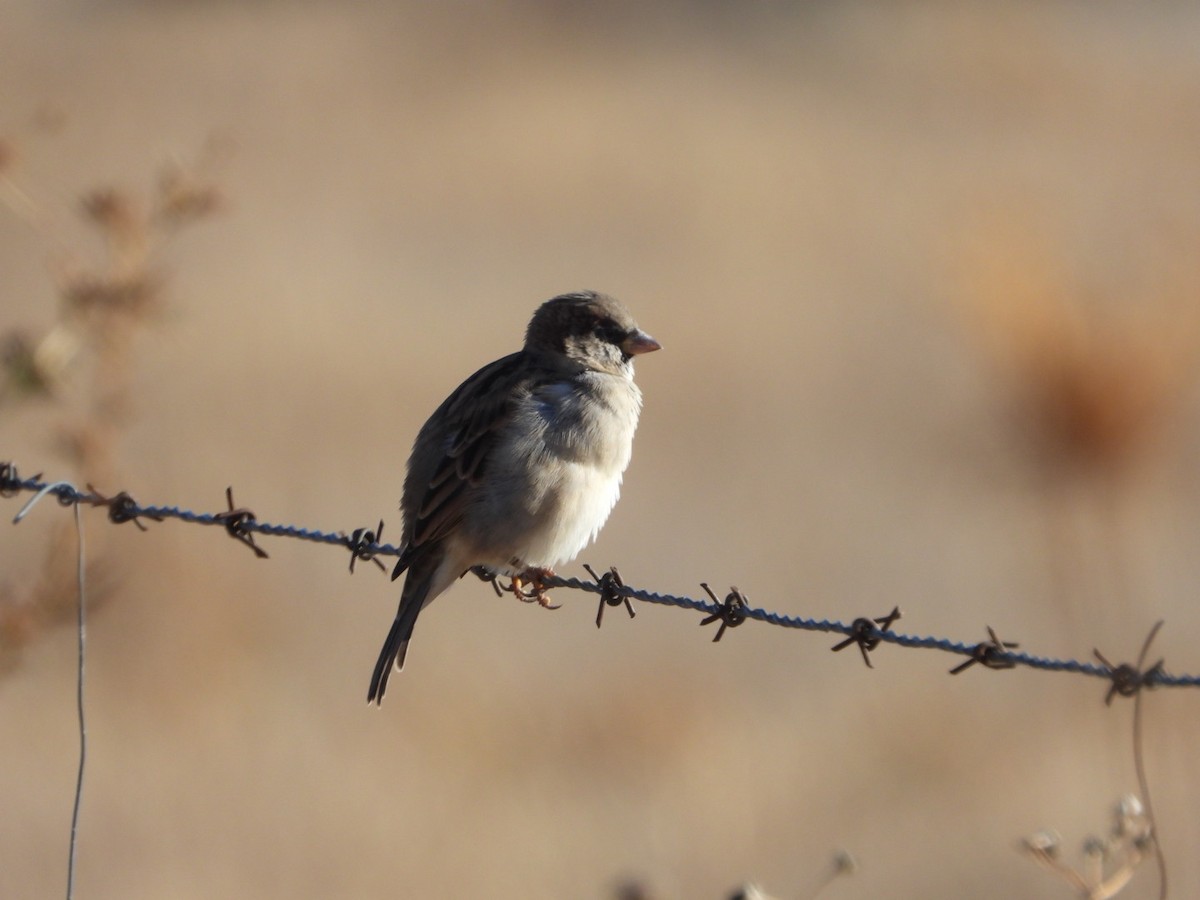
column 639, row 342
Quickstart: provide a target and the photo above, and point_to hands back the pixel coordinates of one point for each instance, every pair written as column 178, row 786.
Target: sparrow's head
column 593, row 330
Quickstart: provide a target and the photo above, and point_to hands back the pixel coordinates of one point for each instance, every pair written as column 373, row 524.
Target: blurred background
column 926, row 279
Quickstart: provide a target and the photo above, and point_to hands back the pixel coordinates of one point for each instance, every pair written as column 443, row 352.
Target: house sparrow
column 519, row 468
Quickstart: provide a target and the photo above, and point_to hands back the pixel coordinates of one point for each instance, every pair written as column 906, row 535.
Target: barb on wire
column 730, row 612
column 362, row 542
column 868, row 634
column 990, row 654
column 611, row 587
column 10, row 481
column 1127, row 679
column 237, row 521
column 122, row 508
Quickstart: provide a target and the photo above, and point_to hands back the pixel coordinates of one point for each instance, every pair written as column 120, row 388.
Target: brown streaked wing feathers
column 469, row 419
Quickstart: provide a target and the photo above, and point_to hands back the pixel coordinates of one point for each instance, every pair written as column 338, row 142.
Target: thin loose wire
column 67, row 492
column 79, row 575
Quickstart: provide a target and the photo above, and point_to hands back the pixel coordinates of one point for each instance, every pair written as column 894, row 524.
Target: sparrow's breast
column 557, row 474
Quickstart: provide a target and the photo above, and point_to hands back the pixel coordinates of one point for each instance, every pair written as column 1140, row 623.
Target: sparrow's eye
column 609, row 331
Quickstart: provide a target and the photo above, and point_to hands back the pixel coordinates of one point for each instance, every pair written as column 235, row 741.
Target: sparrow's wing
column 451, row 452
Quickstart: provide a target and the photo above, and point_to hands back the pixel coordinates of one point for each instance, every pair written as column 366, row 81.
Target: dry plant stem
column 84, row 363
column 1139, row 764
column 15, row 198
column 843, row 864
column 1090, row 882
column 1063, row 871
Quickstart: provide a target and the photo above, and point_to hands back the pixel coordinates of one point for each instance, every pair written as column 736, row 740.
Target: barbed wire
column 867, row 633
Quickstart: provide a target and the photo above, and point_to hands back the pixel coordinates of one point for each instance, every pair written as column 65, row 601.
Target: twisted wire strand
column 997, row 657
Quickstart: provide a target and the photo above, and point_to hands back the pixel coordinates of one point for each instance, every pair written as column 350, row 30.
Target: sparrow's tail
column 412, row 598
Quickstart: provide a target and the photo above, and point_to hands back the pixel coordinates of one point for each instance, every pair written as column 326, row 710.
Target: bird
column 518, row 469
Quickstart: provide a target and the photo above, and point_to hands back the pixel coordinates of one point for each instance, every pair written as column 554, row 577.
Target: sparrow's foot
column 529, row 588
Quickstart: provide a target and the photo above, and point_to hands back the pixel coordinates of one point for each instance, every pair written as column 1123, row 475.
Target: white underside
column 585, row 498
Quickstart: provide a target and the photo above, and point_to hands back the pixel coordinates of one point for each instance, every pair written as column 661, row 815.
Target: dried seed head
column 111, row 210
column 182, row 197
column 1095, row 847
column 1129, row 807
column 1044, row 843
column 1097, row 376
column 139, row 293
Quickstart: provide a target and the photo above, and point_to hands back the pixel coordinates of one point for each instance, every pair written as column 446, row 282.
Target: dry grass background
column 926, row 278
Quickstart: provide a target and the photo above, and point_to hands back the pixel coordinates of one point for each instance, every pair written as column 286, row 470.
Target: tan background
column 808, row 206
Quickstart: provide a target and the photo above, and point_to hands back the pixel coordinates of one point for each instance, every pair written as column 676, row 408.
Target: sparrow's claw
column 518, row 589
column 528, row 588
